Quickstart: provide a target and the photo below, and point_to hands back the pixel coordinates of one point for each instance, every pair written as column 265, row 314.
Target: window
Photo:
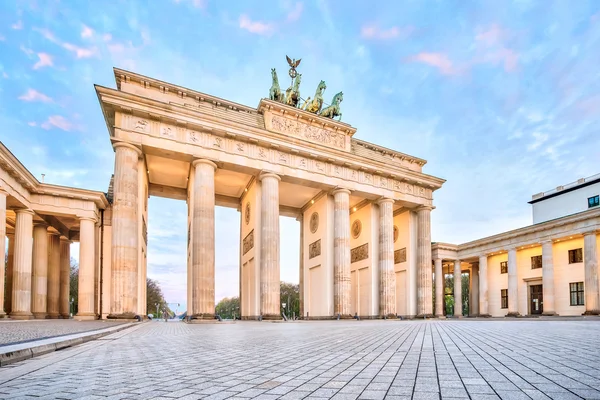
column 536, row 262
column 504, row 267
column 593, row 201
column 575, row 256
column 576, row 290
column 504, row 298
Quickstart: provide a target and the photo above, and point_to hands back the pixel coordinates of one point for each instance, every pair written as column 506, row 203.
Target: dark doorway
column 536, row 299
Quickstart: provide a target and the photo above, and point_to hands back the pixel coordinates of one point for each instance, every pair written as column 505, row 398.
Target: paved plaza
column 489, row 359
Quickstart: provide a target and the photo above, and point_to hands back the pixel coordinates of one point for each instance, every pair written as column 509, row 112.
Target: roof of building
column 569, row 187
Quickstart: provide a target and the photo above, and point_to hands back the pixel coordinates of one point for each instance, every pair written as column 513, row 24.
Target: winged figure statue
column 293, row 64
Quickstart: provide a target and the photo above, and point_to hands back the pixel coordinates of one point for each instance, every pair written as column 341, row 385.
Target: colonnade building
column 364, row 210
column 549, row 268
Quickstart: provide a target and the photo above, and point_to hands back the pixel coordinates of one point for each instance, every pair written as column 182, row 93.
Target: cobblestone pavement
column 336, row 359
column 12, row 332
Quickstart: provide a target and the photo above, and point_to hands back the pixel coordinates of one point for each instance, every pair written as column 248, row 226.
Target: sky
column 501, row 97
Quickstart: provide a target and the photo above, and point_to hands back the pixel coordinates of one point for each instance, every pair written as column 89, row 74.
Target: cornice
column 113, row 100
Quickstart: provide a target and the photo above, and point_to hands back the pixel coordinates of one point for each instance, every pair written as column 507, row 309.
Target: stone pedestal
column 65, row 278
column 424, row 276
column 269, row 247
column 341, row 252
column 513, row 292
column 203, row 240
column 548, row 278
column 387, row 276
column 483, row 287
column 85, row 300
column 3, row 195
column 458, row 312
column 22, row 267
column 53, row 275
column 39, row 284
column 125, row 234
column 590, row 260
column 439, row 288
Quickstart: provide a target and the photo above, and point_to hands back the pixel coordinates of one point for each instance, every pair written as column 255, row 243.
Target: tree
column 228, row 308
column 290, row 295
column 155, row 296
column 449, row 294
column 74, row 285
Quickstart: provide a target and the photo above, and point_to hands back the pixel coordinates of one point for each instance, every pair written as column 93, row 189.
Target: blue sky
column 501, row 97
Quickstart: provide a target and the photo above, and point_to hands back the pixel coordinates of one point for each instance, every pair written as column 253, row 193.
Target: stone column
column 387, row 276
column 590, row 260
column 64, row 296
column 424, row 279
column 53, row 275
column 457, row 289
column 301, row 280
column 22, row 267
column 474, row 289
column 9, row 273
column 341, row 253
column 439, row 288
column 548, row 278
column 269, row 247
column 39, row 284
column 483, row 287
column 3, row 195
column 125, row 234
column 87, row 266
column 203, row 240
column 513, row 291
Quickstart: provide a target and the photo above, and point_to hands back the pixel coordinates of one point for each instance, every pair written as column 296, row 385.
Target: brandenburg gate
column 364, row 210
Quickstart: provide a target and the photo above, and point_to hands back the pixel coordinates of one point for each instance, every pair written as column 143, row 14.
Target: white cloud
column 57, row 121
column 374, row 32
column 32, row 123
column 81, row 52
column 45, row 60
column 540, row 138
column 18, row 25
column 107, row 37
column 257, row 27
column 34, row 95
column 87, row 32
column 295, row 13
column 26, row 50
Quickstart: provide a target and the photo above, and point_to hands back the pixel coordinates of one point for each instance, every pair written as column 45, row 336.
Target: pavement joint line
column 12, row 353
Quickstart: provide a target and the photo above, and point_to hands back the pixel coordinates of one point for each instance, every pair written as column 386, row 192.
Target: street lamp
column 156, row 316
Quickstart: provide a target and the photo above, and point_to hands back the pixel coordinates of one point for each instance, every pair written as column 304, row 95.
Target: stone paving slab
column 13, row 331
column 516, row 359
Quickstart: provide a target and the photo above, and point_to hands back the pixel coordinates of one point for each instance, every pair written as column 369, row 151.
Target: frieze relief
column 359, row 253
column 205, row 139
column 248, row 243
column 314, row 249
column 313, row 133
column 400, row 255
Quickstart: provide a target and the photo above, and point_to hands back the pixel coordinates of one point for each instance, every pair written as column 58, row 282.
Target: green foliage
column 74, row 285
column 290, row 295
column 154, row 297
column 449, row 294
column 228, row 308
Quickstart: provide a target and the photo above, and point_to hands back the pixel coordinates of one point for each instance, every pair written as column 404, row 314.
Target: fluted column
column 424, row 278
column 269, row 247
column 203, row 240
column 87, row 265
column 3, row 195
column 458, row 312
column 53, row 275
column 341, row 252
column 387, row 276
column 64, row 295
column 439, row 288
column 39, row 284
column 10, row 258
column 125, row 234
column 513, row 291
column 301, row 278
column 548, row 278
column 474, row 291
column 22, row 267
column 483, row 287
column 590, row 260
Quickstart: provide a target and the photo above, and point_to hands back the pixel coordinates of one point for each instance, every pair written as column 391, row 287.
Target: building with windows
column 549, row 268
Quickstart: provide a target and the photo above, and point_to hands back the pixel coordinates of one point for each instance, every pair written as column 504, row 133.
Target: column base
column 129, row 315
column 423, row 316
column 549, row 314
column 21, row 315
column 53, row 316
column 458, row 316
column 484, row 316
column 85, row 317
column 39, row 315
column 65, row 316
column 592, row 312
column 513, row 314
column 3, row 315
column 202, row 317
column 271, row 317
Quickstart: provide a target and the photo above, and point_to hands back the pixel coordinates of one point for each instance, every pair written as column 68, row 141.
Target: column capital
column 340, row 190
column 457, row 261
column 24, row 211
column 53, row 233
column 546, row 241
column 94, row 220
column 204, row 161
column 511, row 248
column 64, row 239
column 3, row 192
column 424, row 208
column 384, row 200
column 588, row 233
column 129, row 146
column 268, row 174
column 40, row 224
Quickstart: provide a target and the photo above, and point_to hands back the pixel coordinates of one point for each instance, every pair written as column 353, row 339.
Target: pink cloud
column 438, row 60
column 34, row 95
column 107, row 37
column 45, row 60
column 260, row 28
column 57, row 121
column 374, row 32
column 87, row 32
column 492, row 36
column 295, row 13
column 18, row 25
column 80, row 52
column 32, row 123
column 503, row 56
